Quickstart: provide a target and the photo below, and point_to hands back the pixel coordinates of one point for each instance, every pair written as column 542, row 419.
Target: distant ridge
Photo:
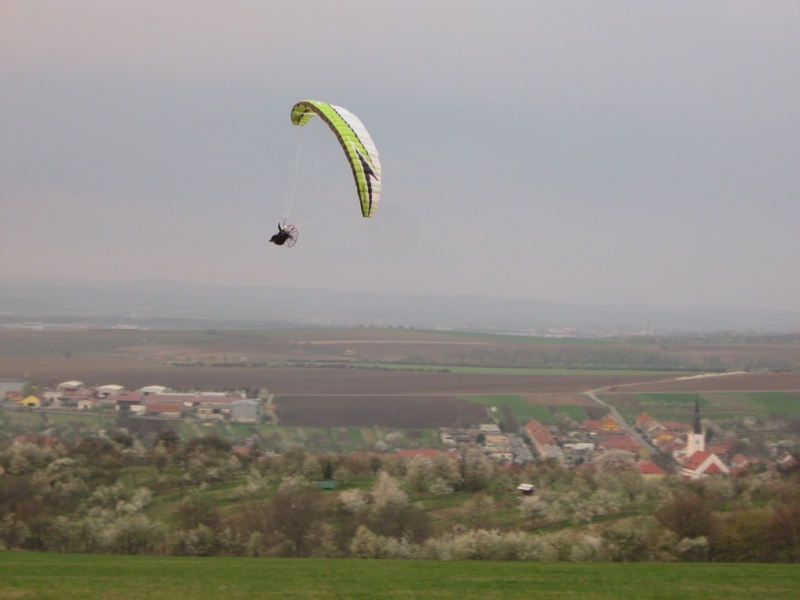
column 163, row 303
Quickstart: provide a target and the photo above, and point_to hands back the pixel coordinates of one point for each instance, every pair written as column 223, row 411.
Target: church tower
column 696, row 441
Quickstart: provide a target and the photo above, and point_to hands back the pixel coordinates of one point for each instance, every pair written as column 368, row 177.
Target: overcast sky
column 581, row 152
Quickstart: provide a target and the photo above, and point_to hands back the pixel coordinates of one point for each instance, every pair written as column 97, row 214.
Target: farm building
column 70, row 387
column 30, row 402
column 215, row 407
column 554, row 453
column 153, row 389
column 11, row 389
column 87, row 403
column 128, row 401
column 246, row 411
column 164, row 409
column 104, row 391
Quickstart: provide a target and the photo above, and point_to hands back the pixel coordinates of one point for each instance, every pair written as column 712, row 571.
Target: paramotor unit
column 286, row 236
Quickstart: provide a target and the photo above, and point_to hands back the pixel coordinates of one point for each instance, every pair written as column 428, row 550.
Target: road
column 618, row 417
column 591, row 394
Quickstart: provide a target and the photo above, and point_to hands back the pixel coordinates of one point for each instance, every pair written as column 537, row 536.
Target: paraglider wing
column 357, row 145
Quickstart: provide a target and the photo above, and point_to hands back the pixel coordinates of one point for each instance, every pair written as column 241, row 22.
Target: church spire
column 696, row 428
column 696, row 441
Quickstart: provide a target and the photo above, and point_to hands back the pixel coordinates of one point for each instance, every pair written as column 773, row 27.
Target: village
column 658, row 448
column 151, row 401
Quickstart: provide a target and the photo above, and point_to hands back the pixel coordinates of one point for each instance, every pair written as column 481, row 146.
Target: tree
column 28, row 389
column 294, row 520
column 476, row 470
column 476, row 513
column 631, row 540
column 420, row 473
column 197, row 510
column 740, row 536
column 782, row 535
column 391, row 515
column 616, row 471
column 688, row 516
column 169, row 438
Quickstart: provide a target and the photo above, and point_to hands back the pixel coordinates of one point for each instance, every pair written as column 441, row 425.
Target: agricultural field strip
column 396, row 342
column 543, row 371
column 669, row 380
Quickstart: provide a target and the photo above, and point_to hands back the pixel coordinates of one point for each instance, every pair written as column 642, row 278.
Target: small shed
column 526, row 489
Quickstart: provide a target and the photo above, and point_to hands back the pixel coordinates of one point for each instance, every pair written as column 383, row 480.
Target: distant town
column 658, row 448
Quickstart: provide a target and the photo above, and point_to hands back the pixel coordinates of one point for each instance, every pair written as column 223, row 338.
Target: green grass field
column 674, row 406
column 523, row 410
column 29, row 576
column 576, row 413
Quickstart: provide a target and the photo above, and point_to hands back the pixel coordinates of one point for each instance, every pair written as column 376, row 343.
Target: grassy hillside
column 46, row 576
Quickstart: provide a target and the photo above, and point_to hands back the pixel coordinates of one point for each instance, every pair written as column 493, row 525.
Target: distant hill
column 161, row 303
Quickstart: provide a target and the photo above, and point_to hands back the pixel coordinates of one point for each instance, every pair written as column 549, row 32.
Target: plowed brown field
column 310, row 380
column 299, row 380
column 400, row 412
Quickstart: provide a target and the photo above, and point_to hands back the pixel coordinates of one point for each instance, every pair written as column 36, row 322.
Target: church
column 696, row 462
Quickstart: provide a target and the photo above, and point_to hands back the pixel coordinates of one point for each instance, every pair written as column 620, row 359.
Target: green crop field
column 676, row 406
column 777, row 401
column 523, row 410
column 576, row 413
column 672, row 399
column 32, row 576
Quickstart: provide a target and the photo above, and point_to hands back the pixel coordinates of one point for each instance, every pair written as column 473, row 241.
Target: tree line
column 158, row 494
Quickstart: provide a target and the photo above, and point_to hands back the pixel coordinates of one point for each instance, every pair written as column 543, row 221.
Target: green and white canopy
column 357, row 145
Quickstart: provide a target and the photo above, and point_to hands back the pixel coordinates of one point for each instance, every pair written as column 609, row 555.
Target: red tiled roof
column 621, row 442
column 126, row 397
column 713, row 469
column 77, row 395
column 539, row 432
column 648, row 467
column 676, row 426
column 740, row 460
column 173, row 398
column 696, row 459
